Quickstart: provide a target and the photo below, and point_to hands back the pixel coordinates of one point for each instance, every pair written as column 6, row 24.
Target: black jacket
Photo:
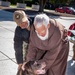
column 20, row 36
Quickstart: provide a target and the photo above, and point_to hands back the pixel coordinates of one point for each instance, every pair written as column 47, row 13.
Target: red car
column 72, row 27
column 60, row 9
column 68, row 10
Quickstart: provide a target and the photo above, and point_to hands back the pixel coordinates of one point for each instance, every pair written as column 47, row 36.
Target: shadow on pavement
column 71, row 67
column 6, row 16
column 30, row 13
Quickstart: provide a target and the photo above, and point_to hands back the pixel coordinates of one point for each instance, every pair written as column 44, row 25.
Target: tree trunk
column 42, row 5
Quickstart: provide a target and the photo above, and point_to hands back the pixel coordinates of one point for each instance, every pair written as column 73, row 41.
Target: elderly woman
column 48, row 45
column 22, row 34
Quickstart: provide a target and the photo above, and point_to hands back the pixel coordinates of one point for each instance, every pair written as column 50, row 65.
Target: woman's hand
column 19, row 66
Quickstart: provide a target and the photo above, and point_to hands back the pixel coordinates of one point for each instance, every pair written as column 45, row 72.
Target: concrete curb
column 67, row 18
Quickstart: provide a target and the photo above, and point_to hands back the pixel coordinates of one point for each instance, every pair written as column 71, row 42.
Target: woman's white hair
column 41, row 19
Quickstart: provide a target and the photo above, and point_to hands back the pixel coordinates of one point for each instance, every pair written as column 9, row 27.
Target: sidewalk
column 8, row 64
column 7, row 54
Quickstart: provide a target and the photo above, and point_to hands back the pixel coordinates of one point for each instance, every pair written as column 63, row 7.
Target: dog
column 30, row 67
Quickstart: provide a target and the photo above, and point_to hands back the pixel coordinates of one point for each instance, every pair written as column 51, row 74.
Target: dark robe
column 53, row 51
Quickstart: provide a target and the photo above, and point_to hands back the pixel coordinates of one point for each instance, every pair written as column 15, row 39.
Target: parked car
column 69, row 10
column 60, row 9
column 71, row 33
column 72, row 27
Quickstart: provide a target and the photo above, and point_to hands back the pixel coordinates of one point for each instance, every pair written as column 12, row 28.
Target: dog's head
column 30, row 67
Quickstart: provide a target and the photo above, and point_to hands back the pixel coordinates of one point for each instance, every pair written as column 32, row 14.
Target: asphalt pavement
column 8, row 64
